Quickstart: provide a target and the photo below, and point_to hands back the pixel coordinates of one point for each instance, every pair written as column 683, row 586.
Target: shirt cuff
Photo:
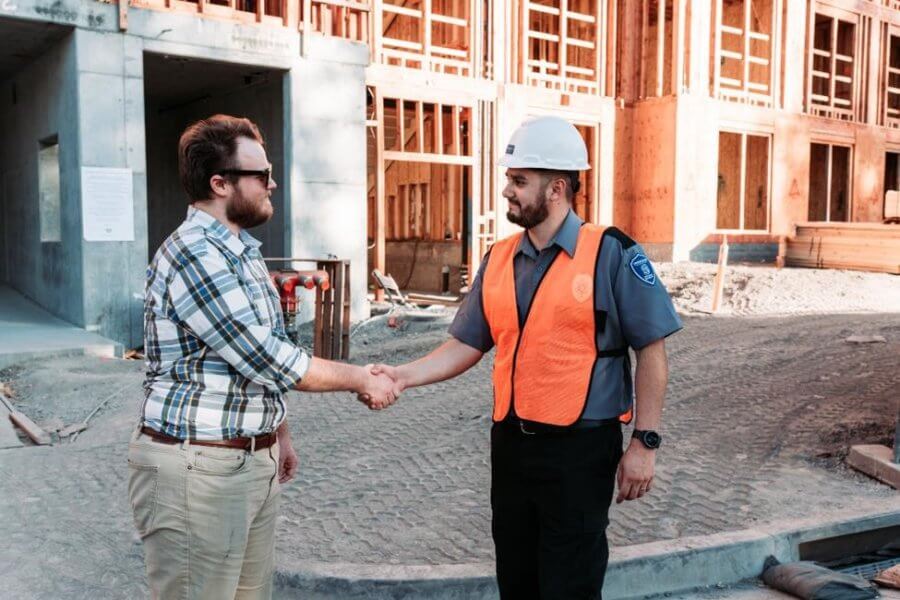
column 293, row 371
column 656, row 336
column 473, row 340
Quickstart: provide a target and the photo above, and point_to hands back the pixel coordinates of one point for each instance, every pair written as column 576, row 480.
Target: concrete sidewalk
column 29, row 331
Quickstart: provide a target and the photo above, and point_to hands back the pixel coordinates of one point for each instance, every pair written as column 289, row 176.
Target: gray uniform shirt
column 633, row 308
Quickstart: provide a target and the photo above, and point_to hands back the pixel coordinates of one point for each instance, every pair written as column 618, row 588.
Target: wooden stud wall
column 830, row 182
column 890, row 76
column 836, row 81
column 561, row 45
column 747, row 43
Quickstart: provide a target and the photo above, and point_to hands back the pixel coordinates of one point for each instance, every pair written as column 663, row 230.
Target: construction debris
column 876, row 461
column 810, row 581
column 889, row 578
column 866, row 339
column 29, row 427
column 8, row 437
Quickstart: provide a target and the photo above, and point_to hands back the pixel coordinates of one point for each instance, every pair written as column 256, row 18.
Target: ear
column 219, row 185
column 558, row 187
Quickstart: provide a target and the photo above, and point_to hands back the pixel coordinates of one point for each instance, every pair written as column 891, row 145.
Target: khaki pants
column 206, row 516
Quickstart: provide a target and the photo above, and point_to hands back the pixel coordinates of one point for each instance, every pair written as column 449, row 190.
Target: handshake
column 379, row 386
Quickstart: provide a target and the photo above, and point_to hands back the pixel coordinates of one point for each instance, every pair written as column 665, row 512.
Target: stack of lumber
column 854, row 246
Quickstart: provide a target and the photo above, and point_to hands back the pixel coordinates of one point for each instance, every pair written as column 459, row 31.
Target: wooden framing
column 423, row 156
column 837, row 50
column 283, row 13
column 432, row 35
column 348, row 19
column 890, row 76
column 450, row 80
column 825, row 197
column 561, row 45
column 747, row 50
column 736, row 212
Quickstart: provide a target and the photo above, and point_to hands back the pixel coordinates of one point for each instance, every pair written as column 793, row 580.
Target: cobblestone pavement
column 760, row 412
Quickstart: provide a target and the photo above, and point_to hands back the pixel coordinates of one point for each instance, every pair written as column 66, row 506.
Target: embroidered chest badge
column 642, row 269
column 581, row 287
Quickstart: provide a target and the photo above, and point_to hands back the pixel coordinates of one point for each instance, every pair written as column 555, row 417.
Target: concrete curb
column 634, row 572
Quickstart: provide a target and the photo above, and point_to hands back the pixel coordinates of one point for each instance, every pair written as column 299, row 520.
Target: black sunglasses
column 264, row 175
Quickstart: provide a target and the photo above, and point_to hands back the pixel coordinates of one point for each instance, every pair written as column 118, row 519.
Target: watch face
column 652, row 439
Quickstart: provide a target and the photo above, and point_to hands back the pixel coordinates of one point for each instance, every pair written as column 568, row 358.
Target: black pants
column 550, row 494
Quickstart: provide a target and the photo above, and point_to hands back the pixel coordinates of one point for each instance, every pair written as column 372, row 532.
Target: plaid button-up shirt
column 218, row 358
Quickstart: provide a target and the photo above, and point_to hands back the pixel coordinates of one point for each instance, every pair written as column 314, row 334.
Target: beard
column 246, row 213
column 531, row 216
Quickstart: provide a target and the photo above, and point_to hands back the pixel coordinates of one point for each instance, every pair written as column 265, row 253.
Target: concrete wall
column 325, row 145
column 110, row 119
column 166, row 200
column 695, row 174
column 89, row 91
column 38, row 102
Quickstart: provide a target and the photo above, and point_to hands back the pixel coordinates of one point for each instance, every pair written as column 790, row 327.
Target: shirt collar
column 236, row 243
column 566, row 237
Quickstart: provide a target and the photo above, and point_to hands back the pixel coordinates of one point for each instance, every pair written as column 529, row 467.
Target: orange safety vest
column 547, row 366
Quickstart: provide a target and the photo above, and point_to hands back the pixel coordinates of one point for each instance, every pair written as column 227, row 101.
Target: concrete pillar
column 325, row 145
column 790, row 178
column 868, row 175
column 110, row 115
column 696, row 168
column 796, row 24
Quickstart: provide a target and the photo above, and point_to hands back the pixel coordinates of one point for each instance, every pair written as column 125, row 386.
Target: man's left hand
column 287, row 459
column 636, row 469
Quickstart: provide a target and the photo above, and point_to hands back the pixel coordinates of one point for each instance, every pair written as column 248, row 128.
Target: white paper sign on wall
column 107, row 204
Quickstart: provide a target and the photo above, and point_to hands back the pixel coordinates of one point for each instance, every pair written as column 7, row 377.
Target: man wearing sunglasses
column 212, row 447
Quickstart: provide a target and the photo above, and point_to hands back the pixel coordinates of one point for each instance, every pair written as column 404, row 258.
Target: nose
column 272, row 184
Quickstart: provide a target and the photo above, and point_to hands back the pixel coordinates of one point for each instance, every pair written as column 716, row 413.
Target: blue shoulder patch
column 642, row 269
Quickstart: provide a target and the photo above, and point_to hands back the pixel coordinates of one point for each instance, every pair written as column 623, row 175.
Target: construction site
column 746, row 119
column 761, row 135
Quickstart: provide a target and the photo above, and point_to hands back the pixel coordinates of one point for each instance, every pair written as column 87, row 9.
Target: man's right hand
column 379, row 389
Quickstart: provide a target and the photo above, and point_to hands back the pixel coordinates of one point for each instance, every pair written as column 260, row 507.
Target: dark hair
column 572, row 180
column 207, row 147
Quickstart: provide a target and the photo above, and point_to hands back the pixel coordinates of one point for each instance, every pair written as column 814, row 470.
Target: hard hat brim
column 526, row 162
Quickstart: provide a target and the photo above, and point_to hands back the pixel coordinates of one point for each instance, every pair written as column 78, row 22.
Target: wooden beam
column 401, row 125
column 420, row 127
column 660, row 46
column 717, row 47
column 438, row 129
column 456, row 132
column 123, row 14
column 425, row 157
column 379, row 258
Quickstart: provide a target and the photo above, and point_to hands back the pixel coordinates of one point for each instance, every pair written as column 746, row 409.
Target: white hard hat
column 546, row 143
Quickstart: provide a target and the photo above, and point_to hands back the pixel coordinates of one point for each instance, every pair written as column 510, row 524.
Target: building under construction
column 738, row 117
column 385, row 120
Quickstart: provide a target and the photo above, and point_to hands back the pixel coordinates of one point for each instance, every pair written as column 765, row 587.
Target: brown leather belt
column 262, row 441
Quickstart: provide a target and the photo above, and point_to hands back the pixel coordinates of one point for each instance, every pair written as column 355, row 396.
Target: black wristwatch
column 649, row 438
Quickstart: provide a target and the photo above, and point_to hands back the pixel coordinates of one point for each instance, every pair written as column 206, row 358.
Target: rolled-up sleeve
column 469, row 325
column 210, row 302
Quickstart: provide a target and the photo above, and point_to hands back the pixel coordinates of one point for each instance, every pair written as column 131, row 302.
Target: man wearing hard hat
column 562, row 301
